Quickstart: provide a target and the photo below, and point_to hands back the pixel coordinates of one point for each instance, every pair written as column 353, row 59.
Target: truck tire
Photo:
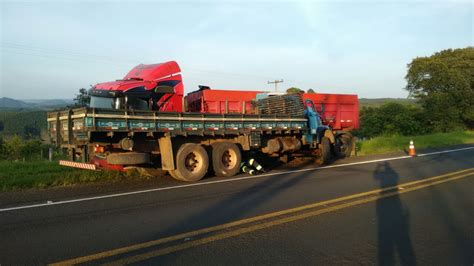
column 173, row 175
column 192, row 163
column 344, row 145
column 325, row 151
column 226, row 158
column 128, row 158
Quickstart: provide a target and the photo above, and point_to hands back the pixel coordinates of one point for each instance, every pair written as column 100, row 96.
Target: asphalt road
column 430, row 225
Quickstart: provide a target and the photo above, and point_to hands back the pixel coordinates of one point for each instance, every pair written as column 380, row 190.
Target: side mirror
column 310, row 104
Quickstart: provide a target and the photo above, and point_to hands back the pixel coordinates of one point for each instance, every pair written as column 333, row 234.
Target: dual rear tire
column 226, row 159
column 192, row 161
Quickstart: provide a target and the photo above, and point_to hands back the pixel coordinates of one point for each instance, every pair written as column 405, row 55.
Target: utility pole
column 276, row 83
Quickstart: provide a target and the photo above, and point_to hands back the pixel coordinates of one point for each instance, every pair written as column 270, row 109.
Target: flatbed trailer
column 184, row 144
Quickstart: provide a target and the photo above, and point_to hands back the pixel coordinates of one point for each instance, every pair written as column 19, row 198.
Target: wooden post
column 226, row 106
column 69, row 127
column 50, row 154
column 58, row 130
column 183, row 104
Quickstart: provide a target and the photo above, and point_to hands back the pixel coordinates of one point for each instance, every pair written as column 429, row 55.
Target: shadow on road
column 393, row 222
column 238, row 205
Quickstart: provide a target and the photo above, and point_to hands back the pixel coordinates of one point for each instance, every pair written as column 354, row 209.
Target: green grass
column 379, row 145
column 40, row 174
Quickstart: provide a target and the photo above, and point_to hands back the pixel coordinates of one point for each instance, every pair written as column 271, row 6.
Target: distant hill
column 365, row 102
column 12, row 103
column 50, row 102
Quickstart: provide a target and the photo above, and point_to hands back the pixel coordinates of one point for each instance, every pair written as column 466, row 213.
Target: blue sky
column 51, row 49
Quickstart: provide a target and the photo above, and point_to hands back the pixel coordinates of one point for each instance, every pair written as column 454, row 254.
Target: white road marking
column 222, row 181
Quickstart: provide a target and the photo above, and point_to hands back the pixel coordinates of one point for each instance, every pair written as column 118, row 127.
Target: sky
column 49, row 50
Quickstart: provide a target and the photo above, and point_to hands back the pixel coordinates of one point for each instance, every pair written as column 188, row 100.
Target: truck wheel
column 325, row 151
column 344, row 145
column 226, row 158
column 191, row 163
column 128, row 158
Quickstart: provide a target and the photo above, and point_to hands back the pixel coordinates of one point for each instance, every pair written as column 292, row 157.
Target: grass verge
column 380, row 145
column 40, row 174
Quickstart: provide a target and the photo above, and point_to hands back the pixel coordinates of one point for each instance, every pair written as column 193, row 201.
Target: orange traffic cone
column 411, row 151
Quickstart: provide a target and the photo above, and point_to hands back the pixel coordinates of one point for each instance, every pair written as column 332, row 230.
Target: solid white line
column 49, row 203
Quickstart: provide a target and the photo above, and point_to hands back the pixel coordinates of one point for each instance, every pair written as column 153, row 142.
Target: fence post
column 50, row 154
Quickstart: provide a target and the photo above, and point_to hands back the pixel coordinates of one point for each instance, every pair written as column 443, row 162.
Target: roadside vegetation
column 442, row 86
column 24, row 123
column 24, row 164
column 41, row 174
column 397, row 143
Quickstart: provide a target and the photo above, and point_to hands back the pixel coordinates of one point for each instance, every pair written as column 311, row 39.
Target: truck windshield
column 102, row 102
column 118, row 103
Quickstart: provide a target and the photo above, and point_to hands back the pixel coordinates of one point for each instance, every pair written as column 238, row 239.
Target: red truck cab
column 152, row 87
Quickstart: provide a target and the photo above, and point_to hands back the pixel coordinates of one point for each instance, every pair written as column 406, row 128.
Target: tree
column 311, row 91
column 31, row 132
column 294, row 90
column 444, row 85
column 1, row 126
column 13, row 148
column 3, row 150
column 82, row 99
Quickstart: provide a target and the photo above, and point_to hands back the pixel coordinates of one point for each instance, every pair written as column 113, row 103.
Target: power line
column 69, row 55
column 276, row 83
column 61, row 52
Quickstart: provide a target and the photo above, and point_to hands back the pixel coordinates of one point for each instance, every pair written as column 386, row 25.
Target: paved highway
column 386, row 211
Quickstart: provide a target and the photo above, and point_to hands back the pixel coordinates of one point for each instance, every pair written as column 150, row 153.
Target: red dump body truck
column 339, row 111
column 143, row 121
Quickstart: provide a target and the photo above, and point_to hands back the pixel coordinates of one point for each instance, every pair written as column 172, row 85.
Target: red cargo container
column 341, row 111
column 214, row 101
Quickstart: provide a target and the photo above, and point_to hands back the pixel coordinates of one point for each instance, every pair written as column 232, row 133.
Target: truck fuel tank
column 282, row 145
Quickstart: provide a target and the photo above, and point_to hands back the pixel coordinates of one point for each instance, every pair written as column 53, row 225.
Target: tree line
column 442, row 84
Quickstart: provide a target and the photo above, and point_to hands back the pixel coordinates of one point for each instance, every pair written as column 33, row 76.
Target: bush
column 3, row 151
column 17, row 148
column 392, row 119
